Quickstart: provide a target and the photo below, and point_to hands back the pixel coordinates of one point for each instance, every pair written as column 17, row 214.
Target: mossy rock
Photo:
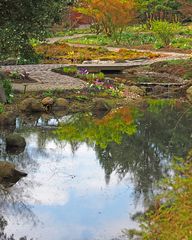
column 15, row 143
column 47, row 101
column 9, row 175
column 7, row 119
column 60, row 104
column 31, row 105
column 101, row 104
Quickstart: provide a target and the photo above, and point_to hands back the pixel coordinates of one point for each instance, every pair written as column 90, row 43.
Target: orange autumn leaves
column 111, row 128
column 123, row 113
column 111, row 14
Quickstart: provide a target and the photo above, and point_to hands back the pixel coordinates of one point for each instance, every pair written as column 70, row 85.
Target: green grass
column 179, row 62
column 134, row 36
column 182, row 43
column 70, row 70
column 186, row 30
column 188, row 75
column 131, row 39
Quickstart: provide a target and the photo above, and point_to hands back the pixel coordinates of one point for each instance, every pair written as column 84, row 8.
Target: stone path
column 58, row 39
column 48, row 80
column 45, row 78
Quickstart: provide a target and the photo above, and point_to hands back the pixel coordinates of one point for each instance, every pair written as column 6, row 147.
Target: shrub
column 70, row 70
column 165, row 31
column 170, row 216
column 8, row 90
column 112, row 15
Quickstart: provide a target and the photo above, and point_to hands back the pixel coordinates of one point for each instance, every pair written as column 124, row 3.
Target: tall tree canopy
column 21, row 20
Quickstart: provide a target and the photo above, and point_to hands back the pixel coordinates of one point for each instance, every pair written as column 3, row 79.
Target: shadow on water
column 133, row 147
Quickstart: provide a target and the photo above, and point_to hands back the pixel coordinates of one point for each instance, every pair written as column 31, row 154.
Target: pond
column 88, row 174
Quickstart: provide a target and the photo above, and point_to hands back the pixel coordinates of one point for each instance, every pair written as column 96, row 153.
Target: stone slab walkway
column 45, row 79
column 48, row 80
column 75, row 36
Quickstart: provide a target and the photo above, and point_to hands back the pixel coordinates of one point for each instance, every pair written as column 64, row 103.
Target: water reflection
column 138, row 142
column 88, row 176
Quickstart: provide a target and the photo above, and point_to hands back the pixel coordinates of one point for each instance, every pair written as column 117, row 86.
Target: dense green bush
column 165, row 31
column 23, row 20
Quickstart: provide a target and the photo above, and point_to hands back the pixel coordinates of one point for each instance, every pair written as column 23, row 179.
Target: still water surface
column 87, row 177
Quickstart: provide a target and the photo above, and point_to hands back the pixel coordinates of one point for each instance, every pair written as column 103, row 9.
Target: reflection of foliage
column 156, row 105
column 171, row 215
column 110, row 128
column 3, row 223
column 4, row 236
column 147, row 154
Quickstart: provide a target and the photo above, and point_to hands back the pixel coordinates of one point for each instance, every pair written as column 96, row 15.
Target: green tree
column 21, row 20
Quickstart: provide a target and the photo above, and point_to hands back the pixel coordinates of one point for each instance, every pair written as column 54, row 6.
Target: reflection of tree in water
column 147, row 154
column 141, row 147
column 12, row 202
column 3, row 235
column 135, row 142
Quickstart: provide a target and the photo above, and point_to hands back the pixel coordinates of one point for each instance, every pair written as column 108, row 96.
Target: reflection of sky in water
column 70, row 196
column 68, row 193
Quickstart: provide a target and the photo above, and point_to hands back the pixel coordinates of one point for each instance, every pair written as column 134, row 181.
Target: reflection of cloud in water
column 69, row 195
column 61, row 171
column 77, row 231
